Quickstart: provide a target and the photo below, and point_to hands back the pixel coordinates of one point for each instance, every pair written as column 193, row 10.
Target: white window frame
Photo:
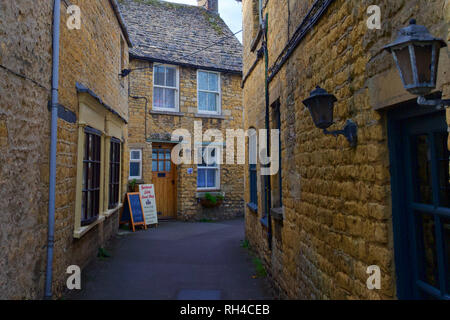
column 177, row 88
column 216, row 167
column 130, row 177
column 219, row 103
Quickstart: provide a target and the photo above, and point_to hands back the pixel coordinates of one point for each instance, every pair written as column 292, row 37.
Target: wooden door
column 422, row 219
column 164, row 180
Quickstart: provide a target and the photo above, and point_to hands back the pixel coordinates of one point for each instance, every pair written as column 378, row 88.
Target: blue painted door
column 421, row 204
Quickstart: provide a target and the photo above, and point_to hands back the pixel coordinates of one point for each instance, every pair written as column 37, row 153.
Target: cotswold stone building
column 333, row 210
column 91, row 139
column 186, row 68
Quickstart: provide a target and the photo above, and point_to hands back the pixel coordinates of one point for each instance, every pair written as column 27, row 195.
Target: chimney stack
column 211, row 5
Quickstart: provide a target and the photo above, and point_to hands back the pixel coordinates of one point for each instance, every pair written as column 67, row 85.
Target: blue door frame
column 405, row 123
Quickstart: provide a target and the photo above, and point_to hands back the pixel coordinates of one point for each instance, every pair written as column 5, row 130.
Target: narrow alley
column 184, row 261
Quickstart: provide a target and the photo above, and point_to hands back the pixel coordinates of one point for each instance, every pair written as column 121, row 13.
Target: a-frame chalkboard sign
column 132, row 211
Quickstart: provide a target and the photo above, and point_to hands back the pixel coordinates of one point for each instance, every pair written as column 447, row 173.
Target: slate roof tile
column 171, row 32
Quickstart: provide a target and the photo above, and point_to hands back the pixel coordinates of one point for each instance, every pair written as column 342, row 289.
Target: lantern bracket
column 438, row 103
column 350, row 132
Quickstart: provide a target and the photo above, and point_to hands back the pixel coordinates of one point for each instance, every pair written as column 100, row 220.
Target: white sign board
column 148, row 200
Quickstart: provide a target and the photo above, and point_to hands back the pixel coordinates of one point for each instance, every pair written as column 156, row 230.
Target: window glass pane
column 89, row 205
column 84, row 176
column 160, row 153
column 446, row 234
column 154, row 166
column 158, row 97
column 203, row 81
column 171, row 77
column 169, row 98
column 213, row 82
column 428, row 256
column 91, row 147
column 134, row 169
column 201, row 178
column 167, row 165
column 161, row 166
column 135, row 155
column 212, row 102
column 86, row 146
column 155, row 154
column 202, row 101
column 167, row 154
column 422, row 170
column 160, row 75
column 211, row 178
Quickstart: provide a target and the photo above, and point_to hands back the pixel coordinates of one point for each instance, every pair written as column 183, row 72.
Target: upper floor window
column 90, row 203
column 165, row 88
column 208, row 84
column 135, row 164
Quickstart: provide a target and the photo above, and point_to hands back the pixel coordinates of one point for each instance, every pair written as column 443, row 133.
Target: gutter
column 187, row 65
column 53, row 142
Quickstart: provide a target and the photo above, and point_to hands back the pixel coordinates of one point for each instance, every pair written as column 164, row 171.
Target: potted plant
column 133, row 186
column 211, row 201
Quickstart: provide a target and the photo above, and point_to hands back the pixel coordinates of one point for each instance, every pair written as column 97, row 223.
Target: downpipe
column 53, row 142
column 268, row 190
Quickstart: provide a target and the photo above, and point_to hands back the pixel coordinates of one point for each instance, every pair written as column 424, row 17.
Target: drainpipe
column 53, row 141
column 268, row 186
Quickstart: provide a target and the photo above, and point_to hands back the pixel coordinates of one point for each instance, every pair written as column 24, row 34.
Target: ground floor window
column 114, row 173
column 90, row 206
column 208, row 172
column 135, row 164
column 253, row 186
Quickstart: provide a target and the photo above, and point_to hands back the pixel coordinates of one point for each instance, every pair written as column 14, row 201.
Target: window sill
column 253, row 207
column 109, row 212
column 167, row 113
column 265, row 222
column 78, row 233
column 202, row 192
column 277, row 213
column 256, row 40
column 209, row 116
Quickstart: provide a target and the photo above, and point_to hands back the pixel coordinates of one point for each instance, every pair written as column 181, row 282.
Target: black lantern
column 320, row 103
column 416, row 54
column 321, row 106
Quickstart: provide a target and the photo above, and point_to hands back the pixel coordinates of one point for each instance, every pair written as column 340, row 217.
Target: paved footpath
column 177, row 260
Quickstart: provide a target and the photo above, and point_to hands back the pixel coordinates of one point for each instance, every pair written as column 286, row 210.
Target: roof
column 181, row 34
column 115, row 7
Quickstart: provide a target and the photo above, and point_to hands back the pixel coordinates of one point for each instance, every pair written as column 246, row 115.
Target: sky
column 229, row 10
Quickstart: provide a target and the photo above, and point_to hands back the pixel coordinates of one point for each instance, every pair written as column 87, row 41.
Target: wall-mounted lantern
column 321, row 104
column 416, row 54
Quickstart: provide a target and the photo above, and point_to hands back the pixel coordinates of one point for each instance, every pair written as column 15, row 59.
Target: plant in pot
column 211, row 201
column 132, row 186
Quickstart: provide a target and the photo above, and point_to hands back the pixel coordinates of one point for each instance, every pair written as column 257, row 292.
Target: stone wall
column 337, row 200
column 90, row 56
column 25, row 59
column 161, row 126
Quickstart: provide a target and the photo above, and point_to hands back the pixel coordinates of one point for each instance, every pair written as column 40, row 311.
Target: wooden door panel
column 164, row 177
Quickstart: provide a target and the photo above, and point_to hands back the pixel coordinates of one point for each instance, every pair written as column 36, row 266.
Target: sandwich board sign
column 148, row 198
column 132, row 211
